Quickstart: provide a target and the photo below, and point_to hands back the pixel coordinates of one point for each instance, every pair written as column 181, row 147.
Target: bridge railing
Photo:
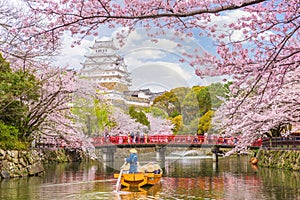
column 291, row 142
column 165, row 139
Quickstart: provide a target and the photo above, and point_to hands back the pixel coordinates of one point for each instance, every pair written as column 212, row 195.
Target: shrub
column 9, row 138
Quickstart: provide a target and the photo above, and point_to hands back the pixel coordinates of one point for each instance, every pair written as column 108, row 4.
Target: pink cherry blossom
column 257, row 46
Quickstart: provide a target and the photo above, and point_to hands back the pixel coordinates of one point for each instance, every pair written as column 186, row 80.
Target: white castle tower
column 104, row 66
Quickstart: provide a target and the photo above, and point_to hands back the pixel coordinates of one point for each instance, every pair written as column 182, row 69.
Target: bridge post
column 160, row 153
column 215, row 150
column 108, row 153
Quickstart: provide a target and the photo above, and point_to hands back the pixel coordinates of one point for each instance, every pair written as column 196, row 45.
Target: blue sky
column 153, row 65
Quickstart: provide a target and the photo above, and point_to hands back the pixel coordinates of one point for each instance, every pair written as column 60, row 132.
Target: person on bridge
column 133, row 161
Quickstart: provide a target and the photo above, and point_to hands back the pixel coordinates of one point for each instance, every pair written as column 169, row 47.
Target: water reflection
column 280, row 184
column 148, row 192
column 232, row 179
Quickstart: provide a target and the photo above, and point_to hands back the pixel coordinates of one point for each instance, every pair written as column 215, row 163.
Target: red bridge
column 167, row 139
column 160, row 142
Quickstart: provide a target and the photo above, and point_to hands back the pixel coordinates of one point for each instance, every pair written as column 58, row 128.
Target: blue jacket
column 132, row 160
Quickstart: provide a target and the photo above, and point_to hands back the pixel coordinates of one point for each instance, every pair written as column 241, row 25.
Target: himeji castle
column 105, row 66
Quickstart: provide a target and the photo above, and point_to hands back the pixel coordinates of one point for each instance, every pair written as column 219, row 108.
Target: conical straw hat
column 133, row 151
column 150, row 168
column 156, row 166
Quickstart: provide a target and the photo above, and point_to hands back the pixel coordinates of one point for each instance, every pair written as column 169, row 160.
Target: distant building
column 104, row 66
column 142, row 97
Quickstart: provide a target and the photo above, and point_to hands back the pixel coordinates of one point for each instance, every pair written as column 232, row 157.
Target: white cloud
column 144, row 53
column 140, row 52
column 157, row 74
column 151, row 64
column 163, row 43
column 72, row 57
column 228, row 18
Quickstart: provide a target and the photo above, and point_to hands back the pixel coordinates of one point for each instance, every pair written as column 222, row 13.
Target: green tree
column 193, row 126
column 178, row 123
column 92, row 114
column 217, row 90
column 180, row 93
column 84, row 109
column 205, row 122
column 9, row 135
column 103, row 111
column 168, row 102
column 156, row 112
column 190, row 105
column 204, row 100
column 19, row 89
column 139, row 116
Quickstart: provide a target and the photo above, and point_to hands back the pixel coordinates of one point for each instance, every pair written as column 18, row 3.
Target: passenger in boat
column 132, row 160
column 157, row 170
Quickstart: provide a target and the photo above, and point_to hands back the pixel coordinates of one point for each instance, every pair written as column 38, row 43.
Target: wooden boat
column 149, row 174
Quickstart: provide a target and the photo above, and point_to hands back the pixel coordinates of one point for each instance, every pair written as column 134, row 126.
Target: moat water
column 185, row 178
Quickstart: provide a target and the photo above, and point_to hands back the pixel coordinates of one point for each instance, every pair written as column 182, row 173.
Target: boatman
column 132, row 160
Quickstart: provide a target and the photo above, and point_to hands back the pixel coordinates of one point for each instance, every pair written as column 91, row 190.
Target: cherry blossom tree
column 259, row 117
column 123, row 123
column 48, row 119
column 258, row 47
column 20, row 40
column 51, row 115
column 159, row 125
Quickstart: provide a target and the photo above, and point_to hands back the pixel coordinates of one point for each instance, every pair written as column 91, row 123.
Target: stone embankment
column 282, row 159
column 30, row 163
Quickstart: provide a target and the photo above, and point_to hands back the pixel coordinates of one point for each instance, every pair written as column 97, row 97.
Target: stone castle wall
column 282, row 159
column 20, row 163
column 30, row 163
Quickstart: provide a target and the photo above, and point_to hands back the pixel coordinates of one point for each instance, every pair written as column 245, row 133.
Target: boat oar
column 119, row 178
